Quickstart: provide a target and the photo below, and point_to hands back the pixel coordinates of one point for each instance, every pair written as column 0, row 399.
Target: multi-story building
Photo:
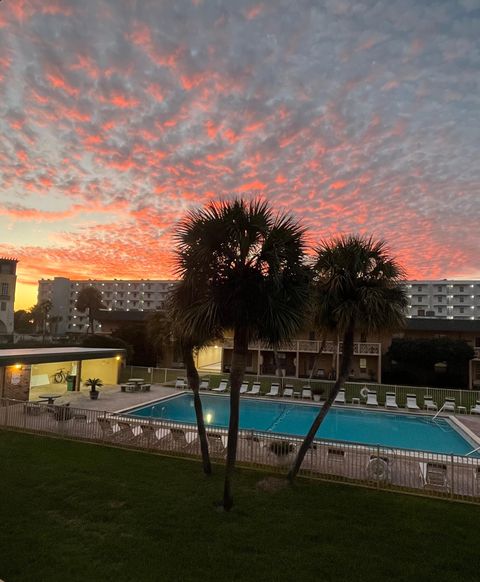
column 444, row 299
column 117, row 295
column 8, row 280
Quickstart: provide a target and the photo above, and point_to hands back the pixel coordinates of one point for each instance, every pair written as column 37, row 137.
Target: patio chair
column 434, row 476
column 429, row 404
column 390, row 400
column 288, row 391
column 307, row 393
column 107, row 427
column 216, row 444
column 449, row 405
column 179, row 437
column 340, row 398
column 222, row 387
column 244, row 388
column 204, row 384
column 372, row 398
column 412, row 402
column 475, row 409
column 180, row 383
column 379, row 468
column 152, row 435
column 126, row 431
column 255, row 391
column 336, row 460
column 274, row 389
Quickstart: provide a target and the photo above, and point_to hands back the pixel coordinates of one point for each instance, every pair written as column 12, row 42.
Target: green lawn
column 71, row 511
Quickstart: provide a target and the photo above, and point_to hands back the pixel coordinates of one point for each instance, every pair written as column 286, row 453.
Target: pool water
column 343, row 424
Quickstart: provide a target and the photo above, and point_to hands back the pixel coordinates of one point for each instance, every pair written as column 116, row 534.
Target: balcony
column 312, row 347
column 477, row 353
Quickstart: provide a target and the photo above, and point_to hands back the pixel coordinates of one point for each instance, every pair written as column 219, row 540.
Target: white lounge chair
column 216, row 443
column 222, row 387
column 449, row 405
column 307, row 393
column 429, row 404
column 412, row 402
column 182, row 438
column 372, row 398
column 390, row 400
column 434, row 476
column 255, row 391
column 288, row 391
column 274, row 389
column 180, row 383
column 244, row 388
column 340, row 398
column 475, row 409
column 204, row 384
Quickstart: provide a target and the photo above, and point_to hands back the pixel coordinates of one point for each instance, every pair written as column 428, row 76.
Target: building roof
column 9, row 357
column 456, row 325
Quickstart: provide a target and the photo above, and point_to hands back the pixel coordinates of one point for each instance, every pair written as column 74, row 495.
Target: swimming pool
column 369, row 427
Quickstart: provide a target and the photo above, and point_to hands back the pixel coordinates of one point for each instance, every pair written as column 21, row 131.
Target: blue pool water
column 369, row 427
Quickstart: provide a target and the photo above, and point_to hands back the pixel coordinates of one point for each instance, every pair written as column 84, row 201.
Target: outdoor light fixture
column 18, row 366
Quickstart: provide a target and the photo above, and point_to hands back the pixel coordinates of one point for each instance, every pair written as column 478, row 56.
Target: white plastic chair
column 288, row 392
column 340, row 398
column 274, row 389
column 429, row 404
column 475, row 409
column 412, row 402
column 222, row 387
column 372, row 398
column 449, row 405
column 244, row 388
column 307, row 393
column 255, row 391
column 180, row 383
column 390, row 400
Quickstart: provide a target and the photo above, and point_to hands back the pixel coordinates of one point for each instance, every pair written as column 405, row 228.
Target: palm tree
column 357, row 287
column 40, row 315
column 165, row 328
column 90, row 299
column 249, row 265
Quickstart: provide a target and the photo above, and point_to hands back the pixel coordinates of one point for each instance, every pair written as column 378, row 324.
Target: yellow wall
column 209, row 358
column 105, row 369
column 42, row 374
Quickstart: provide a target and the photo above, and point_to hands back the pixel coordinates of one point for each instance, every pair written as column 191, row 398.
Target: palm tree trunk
column 194, row 383
column 317, row 357
column 342, row 376
column 237, row 372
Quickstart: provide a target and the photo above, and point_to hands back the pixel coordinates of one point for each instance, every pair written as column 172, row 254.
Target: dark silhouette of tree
column 243, row 267
column 90, row 300
column 356, row 287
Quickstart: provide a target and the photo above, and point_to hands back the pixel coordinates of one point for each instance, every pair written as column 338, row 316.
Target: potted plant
column 317, row 392
column 93, row 384
column 283, row 450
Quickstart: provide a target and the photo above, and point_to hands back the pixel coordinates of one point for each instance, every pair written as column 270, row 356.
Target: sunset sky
column 117, row 116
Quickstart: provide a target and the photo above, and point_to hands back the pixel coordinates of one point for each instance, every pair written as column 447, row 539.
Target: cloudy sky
column 116, row 116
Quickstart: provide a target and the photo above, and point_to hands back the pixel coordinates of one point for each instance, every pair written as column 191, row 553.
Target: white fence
column 448, row 476
column 465, row 398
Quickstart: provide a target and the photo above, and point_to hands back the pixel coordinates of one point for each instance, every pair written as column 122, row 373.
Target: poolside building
column 25, row 373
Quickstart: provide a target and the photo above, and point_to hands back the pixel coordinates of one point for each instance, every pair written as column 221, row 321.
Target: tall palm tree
column 356, row 287
column 90, row 299
column 164, row 329
column 249, row 265
column 40, row 314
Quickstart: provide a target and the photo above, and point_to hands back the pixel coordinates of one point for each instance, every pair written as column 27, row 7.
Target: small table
column 462, row 409
column 296, row 394
column 356, row 401
column 50, row 398
column 136, row 380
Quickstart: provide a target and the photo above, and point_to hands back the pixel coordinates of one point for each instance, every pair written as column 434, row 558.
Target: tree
column 23, row 321
column 245, row 269
column 356, row 287
column 40, row 315
column 90, row 299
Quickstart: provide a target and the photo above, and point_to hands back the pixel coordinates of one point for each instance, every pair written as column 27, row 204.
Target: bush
column 281, row 448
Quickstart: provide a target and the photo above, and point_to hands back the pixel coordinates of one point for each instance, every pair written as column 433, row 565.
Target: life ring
column 364, row 392
column 378, row 469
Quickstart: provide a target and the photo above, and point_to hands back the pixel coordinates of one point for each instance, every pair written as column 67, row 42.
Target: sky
column 117, row 116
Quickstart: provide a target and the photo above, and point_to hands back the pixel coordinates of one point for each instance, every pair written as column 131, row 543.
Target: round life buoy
column 378, row 469
column 364, row 392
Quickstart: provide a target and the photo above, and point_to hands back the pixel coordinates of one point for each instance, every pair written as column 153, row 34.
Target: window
column 363, row 364
column 311, row 335
column 421, row 312
column 462, row 300
column 419, row 288
column 440, row 298
column 440, row 310
column 462, row 289
column 419, row 299
column 3, row 306
column 439, row 288
column 4, row 289
column 462, row 309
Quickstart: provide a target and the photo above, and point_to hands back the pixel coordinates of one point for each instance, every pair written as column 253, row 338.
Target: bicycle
column 60, row 376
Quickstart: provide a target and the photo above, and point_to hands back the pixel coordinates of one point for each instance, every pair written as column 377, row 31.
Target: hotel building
column 8, row 280
column 117, row 295
column 444, row 299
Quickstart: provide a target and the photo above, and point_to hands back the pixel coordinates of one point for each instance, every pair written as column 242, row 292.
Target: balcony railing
column 312, row 347
column 477, row 353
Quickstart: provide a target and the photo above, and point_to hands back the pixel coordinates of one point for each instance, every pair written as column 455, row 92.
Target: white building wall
column 141, row 295
column 444, row 299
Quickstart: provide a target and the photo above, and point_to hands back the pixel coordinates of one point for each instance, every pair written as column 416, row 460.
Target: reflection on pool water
column 398, row 430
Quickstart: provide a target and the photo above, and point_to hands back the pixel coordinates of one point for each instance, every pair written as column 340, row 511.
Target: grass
column 72, row 511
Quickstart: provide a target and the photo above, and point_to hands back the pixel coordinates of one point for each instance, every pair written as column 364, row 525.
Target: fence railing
column 465, row 398
column 433, row 474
